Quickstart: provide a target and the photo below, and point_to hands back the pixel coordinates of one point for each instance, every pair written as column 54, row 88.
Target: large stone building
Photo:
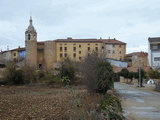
column 154, row 52
column 47, row 54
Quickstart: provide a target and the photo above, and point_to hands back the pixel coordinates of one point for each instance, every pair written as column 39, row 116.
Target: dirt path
column 139, row 103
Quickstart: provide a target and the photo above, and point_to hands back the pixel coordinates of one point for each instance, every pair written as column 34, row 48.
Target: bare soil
column 37, row 102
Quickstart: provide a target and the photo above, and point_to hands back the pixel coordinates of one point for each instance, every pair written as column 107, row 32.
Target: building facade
column 138, row 59
column 15, row 55
column 154, row 52
column 48, row 54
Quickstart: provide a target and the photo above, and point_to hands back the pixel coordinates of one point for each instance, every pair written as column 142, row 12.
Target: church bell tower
column 31, row 45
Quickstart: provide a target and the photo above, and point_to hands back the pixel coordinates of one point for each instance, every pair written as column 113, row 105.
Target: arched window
column 29, row 36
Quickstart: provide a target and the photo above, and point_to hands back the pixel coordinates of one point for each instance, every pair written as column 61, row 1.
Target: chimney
column 7, row 48
column 69, row 38
column 19, row 47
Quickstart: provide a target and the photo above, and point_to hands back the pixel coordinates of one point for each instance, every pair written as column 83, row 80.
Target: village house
column 137, row 59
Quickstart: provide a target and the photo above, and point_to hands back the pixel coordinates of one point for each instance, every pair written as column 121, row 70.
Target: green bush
column 18, row 77
column 154, row 74
column 41, row 74
column 30, row 74
column 68, row 69
column 13, row 76
column 124, row 72
column 103, row 77
column 51, row 79
column 111, row 108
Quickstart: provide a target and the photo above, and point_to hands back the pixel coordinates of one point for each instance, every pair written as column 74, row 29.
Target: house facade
column 154, row 52
column 15, row 55
column 138, row 59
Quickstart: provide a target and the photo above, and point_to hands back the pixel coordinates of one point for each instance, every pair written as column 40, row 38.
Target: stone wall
column 49, row 54
column 157, row 86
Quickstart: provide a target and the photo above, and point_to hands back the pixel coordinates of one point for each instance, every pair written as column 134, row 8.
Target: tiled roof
column 112, row 41
column 77, row 40
column 154, row 39
column 131, row 69
column 22, row 48
column 140, row 54
column 107, row 41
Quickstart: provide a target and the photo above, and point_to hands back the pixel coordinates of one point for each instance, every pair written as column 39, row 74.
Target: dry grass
column 44, row 103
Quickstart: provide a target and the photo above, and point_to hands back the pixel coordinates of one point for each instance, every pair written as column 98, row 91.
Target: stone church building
column 47, row 54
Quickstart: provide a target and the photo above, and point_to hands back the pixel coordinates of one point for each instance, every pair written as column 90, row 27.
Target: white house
column 154, row 52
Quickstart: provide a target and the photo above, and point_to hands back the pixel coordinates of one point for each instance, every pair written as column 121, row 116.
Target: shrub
column 97, row 73
column 68, row 69
column 124, row 72
column 111, row 108
column 30, row 74
column 41, row 74
column 13, row 76
column 103, row 77
column 154, row 74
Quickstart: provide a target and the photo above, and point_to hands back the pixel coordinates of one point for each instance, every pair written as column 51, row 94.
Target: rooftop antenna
column 7, row 48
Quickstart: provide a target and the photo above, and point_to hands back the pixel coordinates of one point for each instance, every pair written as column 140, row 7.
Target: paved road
column 139, row 103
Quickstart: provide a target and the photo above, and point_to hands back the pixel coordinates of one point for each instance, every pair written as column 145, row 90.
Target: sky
column 130, row 21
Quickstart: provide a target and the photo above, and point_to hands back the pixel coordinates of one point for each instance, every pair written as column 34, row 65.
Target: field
column 43, row 103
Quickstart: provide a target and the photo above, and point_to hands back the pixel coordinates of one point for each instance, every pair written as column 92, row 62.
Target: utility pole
column 140, row 76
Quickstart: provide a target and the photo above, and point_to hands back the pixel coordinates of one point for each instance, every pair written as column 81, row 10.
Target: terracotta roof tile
column 112, row 41
column 107, row 41
column 140, row 54
column 131, row 69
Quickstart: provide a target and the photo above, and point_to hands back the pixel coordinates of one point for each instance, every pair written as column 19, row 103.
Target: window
column 109, row 51
column 79, row 46
column 157, row 59
column 74, row 44
column 65, row 48
column 88, row 48
column 113, row 51
column 74, row 54
column 61, row 55
column 14, row 54
column 119, row 45
column 74, row 48
column 65, row 44
column 96, row 44
column 40, row 67
column 79, row 52
column 96, row 48
column 113, row 45
column 29, row 36
column 88, row 44
column 154, row 47
column 65, row 55
column 60, row 48
column 80, row 58
column 120, row 52
column 60, row 44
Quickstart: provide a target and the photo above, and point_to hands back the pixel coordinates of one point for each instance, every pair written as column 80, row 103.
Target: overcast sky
column 130, row 21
